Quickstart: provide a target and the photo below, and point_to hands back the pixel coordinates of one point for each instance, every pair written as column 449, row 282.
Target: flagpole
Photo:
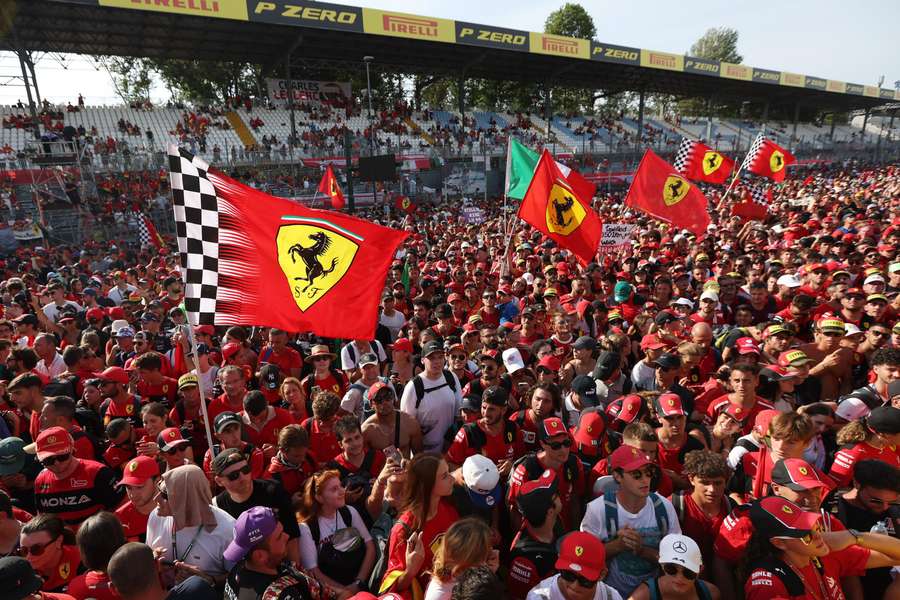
column 196, row 360
column 506, row 185
column 737, row 174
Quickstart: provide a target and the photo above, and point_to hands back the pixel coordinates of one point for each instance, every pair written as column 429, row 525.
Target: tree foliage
column 571, row 20
column 718, row 43
column 131, row 78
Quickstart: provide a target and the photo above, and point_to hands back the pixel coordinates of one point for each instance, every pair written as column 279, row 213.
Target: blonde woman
column 466, row 544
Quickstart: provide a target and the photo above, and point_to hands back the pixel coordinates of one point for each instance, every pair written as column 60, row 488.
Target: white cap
column 876, row 278
column 711, row 295
column 852, row 409
column 512, row 360
column 480, row 474
column 788, row 281
column 851, row 329
column 118, row 324
column 684, row 302
column 528, row 277
column 680, row 550
column 894, row 267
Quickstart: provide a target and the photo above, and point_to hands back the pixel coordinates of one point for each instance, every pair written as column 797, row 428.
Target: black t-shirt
column 265, row 493
column 244, row 584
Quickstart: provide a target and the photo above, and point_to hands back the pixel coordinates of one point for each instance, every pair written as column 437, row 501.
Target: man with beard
column 118, row 403
column 492, row 435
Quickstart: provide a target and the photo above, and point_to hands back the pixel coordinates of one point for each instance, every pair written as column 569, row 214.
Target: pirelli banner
column 324, row 15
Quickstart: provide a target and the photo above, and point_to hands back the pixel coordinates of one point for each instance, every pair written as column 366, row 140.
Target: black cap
column 26, row 319
column 607, row 363
column 268, row 376
column 471, row 403
column 18, row 578
column 667, row 360
column 432, row 347
column 894, row 388
column 585, row 342
column 665, row 317
column 496, row 396
column 224, row 420
column 884, row 419
column 226, row 458
column 586, row 387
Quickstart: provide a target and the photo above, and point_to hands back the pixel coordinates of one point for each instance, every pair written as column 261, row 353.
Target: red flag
column 552, row 206
column 288, row 266
column 329, row 186
column 660, row 191
column 750, row 211
column 768, row 159
column 695, row 160
column 807, row 181
column 405, row 204
column 147, row 233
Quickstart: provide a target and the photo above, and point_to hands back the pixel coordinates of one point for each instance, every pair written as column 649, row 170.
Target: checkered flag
column 147, row 234
column 760, row 194
column 685, row 149
column 754, row 149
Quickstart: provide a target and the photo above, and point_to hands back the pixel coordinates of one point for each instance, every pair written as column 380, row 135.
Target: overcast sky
column 850, row 41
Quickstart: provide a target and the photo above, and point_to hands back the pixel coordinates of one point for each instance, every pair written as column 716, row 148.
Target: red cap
column 550, row 362
column 402, row 344
column 562, row 267
column 205, row 329
column 95, row 314
column 551, row 426
column 454, row 297
column 139, row 470
column 736, row 412
column 54, row 441
column 669, row 405
column 746, row 345
column 115, row 313
column 763, row 420
column 652, row 342
column 815, row 267
column 588, row 432
column 630, row 408
column 230, row 349
column 582, row 553
column 628, row 458
column 169, row 438
column 797, row 474
column 505, row 289
column 793, row 358
column 854, row 292
column 774, row 516
column 113, row 374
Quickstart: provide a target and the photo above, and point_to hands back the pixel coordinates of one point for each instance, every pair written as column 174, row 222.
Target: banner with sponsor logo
column 559, row 45
column 27, row 231
column 308, row 90
column 431, row 29
column 320, row 15
column 501, row 38
column 615, row 236
column 662, row 60
column 623, row 55
column 733, row 71
column 221, row 9
column 701, row 66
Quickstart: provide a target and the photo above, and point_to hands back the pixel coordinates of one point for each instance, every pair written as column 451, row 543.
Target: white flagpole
column 737, row 173
column 196, row 360
column 506, row 184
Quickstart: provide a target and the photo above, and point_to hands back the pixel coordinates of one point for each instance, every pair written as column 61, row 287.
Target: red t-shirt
column 92, row 585
column 846, row 458
column 701, row 528
column 570, row 478
column 528, row 429
column 431, row 530
column 721, row 403
column 763, row 584
column 285, row 360
column 505, row 445
column 65, row 571
column 133, row 522
column 323, row 445
column 268, row 434
column 165, row 392
column 220, row 404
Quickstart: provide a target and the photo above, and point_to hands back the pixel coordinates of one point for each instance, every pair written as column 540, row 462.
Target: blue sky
column 849, row 41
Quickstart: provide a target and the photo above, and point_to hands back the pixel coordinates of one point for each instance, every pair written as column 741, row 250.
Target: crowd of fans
column 687, row 418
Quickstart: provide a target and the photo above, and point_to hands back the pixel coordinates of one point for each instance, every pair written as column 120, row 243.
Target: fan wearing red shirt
column 263, row 422
column 234, row 384
column 153, row 386
column 876, row 437
column 542, row 403
column 323, row 444
column 25, row 393
column 187, row 414
column 139, row 479
column 492, row 435
column 743, row 380
column 674, row 441
column 279, row 353
column 292, row 464
column 228, row 433
column 51, row 550
column 118, row 402
column 358, row 465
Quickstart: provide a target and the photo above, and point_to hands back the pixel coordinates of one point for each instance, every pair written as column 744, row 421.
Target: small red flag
column 750, row 211
column 405, row 204
column 552, row 206
column 148, row 234
column 807, row 181
column 329, row 186
column 660, row 191
column 697, row 161
column 768, row 159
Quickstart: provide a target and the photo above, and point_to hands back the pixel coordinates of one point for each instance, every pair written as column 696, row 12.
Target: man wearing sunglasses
column 631, row 519
column 228, row 428
column 71, row 487
column 680, row 561
column 582, row 566
column 832, row 362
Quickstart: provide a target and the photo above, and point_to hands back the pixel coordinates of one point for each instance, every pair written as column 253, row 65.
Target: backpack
column 381, row 535
column 63, row 385
column 533, row 468
column 678, row 503
column 612, row 514
column 376, row 346
column 719, row 343
column 867, row 394
column 477, row 438
column 419, row 385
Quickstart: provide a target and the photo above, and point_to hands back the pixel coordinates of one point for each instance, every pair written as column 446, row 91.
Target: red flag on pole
column 248, row 258
column 148, row 234
column 405, row 204
column 660, row 191
column 329, row 186
column 553, row 206
column 768, row 159
column 697, row 161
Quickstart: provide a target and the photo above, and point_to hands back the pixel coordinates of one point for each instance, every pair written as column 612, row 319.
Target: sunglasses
column 670, row 569
column 641, row 473
column 832, row 334
column 566, row 443
column 235, row 475
column 573, row 577
column 59, row 458
column 880, row 333
column 458, row 356
column 35, row 549
column 176, row 450
column 321, row 359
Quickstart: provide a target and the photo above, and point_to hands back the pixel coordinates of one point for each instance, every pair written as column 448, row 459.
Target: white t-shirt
column 394, row 323
column 54, row 368
column 439, row 590
column 436, row 411
column 737, row 453
column 348, row 362
column 309, row 553
column 206, row 551
column 626, row 570
column 548, row 589
column 52, row 310
column 643, row 375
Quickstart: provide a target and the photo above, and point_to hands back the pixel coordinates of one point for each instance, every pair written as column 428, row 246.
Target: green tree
column 571, row 20
column 718, row 43
column 131, row 78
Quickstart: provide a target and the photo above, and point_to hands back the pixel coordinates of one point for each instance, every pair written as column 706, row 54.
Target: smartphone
column 391, row 452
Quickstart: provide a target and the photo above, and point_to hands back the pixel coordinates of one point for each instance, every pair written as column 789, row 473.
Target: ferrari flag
column 699, row 162
column 248, row 258
column 552, row 206
column 329, row 186
column 521, row 162
column 768, row 159
column 660, row 191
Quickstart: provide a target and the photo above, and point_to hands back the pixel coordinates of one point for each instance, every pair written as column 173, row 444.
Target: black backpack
column 477, row 438
column 63, row 385
column 419, row 385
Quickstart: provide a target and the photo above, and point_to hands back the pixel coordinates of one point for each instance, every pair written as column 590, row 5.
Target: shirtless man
column 832, row 362
column 584, row 361
column 389, row 426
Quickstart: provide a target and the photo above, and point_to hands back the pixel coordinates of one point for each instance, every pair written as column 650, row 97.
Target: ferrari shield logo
column 675, row 189
column 564, row 212
column 711, row 162
column 579, row 550
column 405, row 203
column 776, row 161
column 313, row 259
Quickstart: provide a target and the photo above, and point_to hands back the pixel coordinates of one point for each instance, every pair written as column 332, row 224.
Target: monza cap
column 831, row 325
column 746, row 345
column 170, row 438
column 763, row 420
column 774, row 516
column 139, row 470
column 582, row 553
column 794, row 358
column 776, row 330
column 535, row 496
column 791, row 281
column 777, row 373
column 884, row 419
column 587, row 433
column 512, row 360
column 225, row 419
column 551, row 426
column 628, row 458
column 18, row 578
column 230, row 349
column 873, row 279
column 252, row 527
column 495, row 396
column 679, row 549
column 877, row 298
column 482, row 481
column 95, row 314
column 669, row 405
column 797, row 474
column 377, row 387
column 682, row 301
column 26, row 319
column 628, row 409
column 585, row 387
column 709, row 295
column 652, row 342
column 226, row 458
column 204, row 330
column 431, row 347
column 187, row 380
column 53, row 441
column 854, row 292
column 114, row 375
column 12, row 455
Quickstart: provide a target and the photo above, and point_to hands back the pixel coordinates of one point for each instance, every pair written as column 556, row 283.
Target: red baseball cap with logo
column 402, row 344
column 763, row 420
column 669, row 405
column 583, row 554
column 774, row 516
column 113, row 374
column 550, row 427
column 628, row 458
column 793, row 358
column 797, row 474
column 52, row 442
column 630, row 408
column 550, row 362
column 588, row 432
column 170, row 438
column 652, row 342
column 139, row 470
column 746, row 345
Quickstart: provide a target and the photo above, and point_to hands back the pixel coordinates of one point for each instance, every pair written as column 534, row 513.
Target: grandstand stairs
column 419, row 131
column 241, row 129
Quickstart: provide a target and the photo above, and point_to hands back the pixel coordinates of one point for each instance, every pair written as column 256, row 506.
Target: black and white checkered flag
column 759, row 194
column 683, row 154
column 754, row 148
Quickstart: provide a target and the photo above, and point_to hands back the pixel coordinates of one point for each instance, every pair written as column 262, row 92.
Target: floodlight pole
column 367, row 60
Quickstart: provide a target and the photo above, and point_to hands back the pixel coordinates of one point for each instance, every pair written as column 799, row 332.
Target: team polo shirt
column 504, row 445
column 89, row 489
column 130, row 410
column 220, row 404
column 133, row 522
column 285, row 360
column 528, row 428
column 165, row 392
column 764, row 584
column 94, row 585
column 431, row 530
column 570, row 478
column 846, row 458
column 323, row 445
column 530, row 561
column 64, row 571
column 721, row 403
column 277, row 419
